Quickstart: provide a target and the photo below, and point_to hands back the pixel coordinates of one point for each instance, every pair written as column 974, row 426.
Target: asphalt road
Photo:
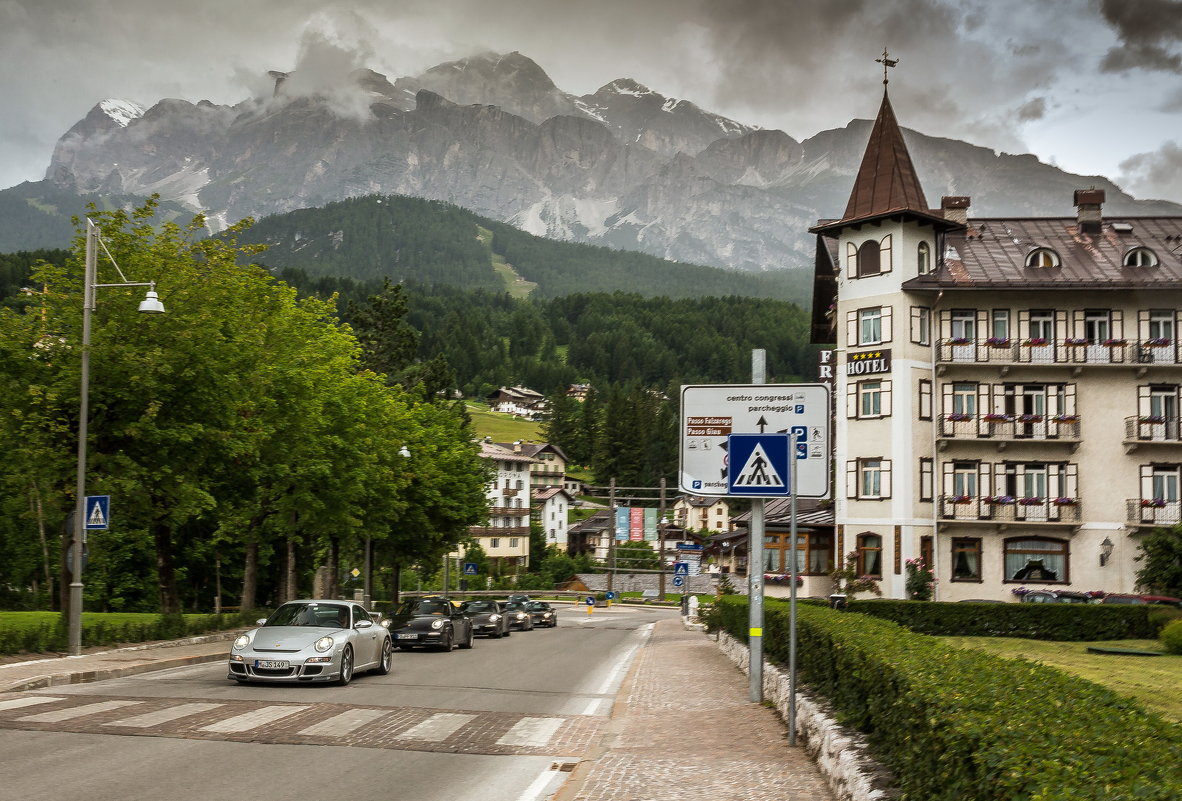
column 502, row 721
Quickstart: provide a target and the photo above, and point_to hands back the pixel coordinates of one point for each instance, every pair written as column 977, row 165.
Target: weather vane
column 886, row 61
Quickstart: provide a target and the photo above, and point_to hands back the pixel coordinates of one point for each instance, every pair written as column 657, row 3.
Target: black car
column 487, row 618
column 519, row 616
column 542, row 613
column 430, row 621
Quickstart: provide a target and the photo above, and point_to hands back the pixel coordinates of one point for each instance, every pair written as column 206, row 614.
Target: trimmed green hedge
column 961, row 725
column 1067, row 622
column 52, row 636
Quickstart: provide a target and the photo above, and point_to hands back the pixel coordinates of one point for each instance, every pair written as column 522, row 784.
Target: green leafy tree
column 1161, row 553
column 636, row 556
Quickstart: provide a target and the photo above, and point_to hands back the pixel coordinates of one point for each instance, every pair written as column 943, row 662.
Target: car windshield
column 514, row 605
column 537, row 606
column 480, row 606
column 334, row 616
column 426, row 606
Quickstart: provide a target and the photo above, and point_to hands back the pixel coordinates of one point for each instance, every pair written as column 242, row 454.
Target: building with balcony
column 549, row 466
column 698, row 513
column 1007, row 392
column 506, row 536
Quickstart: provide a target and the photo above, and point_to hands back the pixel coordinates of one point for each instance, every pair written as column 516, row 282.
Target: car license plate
column 270, row 664
column 407, row 636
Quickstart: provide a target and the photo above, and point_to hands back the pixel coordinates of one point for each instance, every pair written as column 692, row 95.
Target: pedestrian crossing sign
column 98, row 512
column 758, row 465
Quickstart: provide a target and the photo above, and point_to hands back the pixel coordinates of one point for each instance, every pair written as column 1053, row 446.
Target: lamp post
column 149, row 305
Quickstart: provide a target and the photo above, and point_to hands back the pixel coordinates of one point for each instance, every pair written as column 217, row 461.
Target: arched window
column 868, row 259
column 923, row 258
column 884, row 254
column 1140, row 257
column 1036, row 560
column 1042, row 258
column 870, row 555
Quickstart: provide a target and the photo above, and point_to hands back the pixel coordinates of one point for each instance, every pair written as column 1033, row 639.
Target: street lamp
column 149, row 305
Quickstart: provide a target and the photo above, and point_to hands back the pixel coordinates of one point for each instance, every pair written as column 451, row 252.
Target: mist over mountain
column 624, row 166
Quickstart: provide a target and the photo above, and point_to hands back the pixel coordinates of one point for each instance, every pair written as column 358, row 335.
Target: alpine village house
column 1006, row 391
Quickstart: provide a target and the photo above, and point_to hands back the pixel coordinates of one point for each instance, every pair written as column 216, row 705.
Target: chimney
column 1088, row 203
column 956, row 208
column 517, row 446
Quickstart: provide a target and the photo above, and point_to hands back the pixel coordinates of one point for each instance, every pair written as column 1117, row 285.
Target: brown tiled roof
column 886, row 180
column 991, row 253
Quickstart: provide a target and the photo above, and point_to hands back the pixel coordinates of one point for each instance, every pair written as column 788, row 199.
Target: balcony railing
column 1007, row 509
column 488, row 531
column 1153, row 428
column 1062, row 427
column 1065, row 351
column 1153, row 512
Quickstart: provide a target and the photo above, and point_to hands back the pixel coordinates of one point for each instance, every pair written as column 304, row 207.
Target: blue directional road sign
column 759, row 465
column 681, row 568
column 678, row 581
column 611, row 596
column 470, row 569
column 98, row 512
column 590, row 600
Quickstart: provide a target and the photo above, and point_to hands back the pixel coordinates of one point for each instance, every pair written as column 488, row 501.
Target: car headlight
column 521, row 615
column 324, row 644
column 436, row 624
column 241, row 641
column 493, row 618
column 386, row 623
column 545, row 614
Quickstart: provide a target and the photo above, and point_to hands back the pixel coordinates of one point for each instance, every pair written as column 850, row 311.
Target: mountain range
column 625, row 166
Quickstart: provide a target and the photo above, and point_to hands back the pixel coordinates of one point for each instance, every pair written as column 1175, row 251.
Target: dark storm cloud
column 1147, row 29
column 1154, row 175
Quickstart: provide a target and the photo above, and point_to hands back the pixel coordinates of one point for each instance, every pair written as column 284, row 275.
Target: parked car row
column 330, row 641
column 1072, row 597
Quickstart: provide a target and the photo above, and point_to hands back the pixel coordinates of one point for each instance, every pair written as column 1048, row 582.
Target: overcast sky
column 1093, row 86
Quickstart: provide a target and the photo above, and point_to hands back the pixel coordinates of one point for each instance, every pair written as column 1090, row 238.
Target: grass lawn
column 502, row 427
column 1154, row 681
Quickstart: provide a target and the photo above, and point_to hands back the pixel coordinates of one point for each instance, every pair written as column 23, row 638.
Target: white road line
column 437, row 727
column 531, row 731
column 251, row 720
column 162, row 715
column 17, row 703
column 612, row 681
column 538, row 785
column 76, row 712
column 345, row 722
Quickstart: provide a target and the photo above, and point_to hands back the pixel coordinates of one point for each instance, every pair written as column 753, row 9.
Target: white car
column 312, row 641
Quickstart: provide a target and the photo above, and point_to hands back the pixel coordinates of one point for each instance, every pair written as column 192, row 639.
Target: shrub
column 1171, row 637
column 962, row 724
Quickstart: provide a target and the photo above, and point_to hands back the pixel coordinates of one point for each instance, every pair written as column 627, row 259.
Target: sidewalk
column 683, row 729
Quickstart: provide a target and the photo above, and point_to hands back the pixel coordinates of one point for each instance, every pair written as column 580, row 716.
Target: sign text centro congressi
column 712, row 412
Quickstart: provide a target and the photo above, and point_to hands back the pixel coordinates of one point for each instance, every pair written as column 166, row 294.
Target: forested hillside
column 428, row 242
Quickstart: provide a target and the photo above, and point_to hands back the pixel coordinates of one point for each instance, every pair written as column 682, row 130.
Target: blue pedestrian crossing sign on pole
column 758, row 465
column 681, row 568
column 470, row 569
column 98, row 512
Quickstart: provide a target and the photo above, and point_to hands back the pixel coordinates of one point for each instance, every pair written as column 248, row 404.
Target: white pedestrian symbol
column 758, row 471
column 96, row 516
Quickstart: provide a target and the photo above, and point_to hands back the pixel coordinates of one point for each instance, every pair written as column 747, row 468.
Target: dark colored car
column 519, row 617
column 1122, row 598
column 431, row 621
column 1056, row 597
column 487, row 618
column 542, row 613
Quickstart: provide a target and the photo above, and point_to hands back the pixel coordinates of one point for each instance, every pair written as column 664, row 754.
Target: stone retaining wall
column 840, row 753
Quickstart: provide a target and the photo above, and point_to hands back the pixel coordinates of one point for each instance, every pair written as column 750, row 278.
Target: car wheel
column 346, row 666
column 384, row 661
column 448, row 642
column 468, row 642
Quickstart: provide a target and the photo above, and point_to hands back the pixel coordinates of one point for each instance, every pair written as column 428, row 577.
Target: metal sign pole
column 755, row 564
column 792, row 598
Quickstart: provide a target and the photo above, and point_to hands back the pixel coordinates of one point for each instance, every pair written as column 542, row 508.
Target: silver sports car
column 310, row 641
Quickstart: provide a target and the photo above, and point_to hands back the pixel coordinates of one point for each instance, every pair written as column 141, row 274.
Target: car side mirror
column 260, row 621
column 363, row 624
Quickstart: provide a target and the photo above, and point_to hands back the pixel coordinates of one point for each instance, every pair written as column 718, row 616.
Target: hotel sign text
column 870, row 362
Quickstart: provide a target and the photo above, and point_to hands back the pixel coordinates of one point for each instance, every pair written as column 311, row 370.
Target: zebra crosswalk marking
column 253, row 719
column 344, row 723
column 439, row 726
column 531, row 731
column 162, row 716
column 18, row 703
column 58, row 715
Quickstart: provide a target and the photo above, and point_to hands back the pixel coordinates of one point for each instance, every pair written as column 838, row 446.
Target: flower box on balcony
column 1064, row 502
column 1035, row 342
column 1030, row 501
column 1030, row 418
column 958, row 417
column 1075, row 341
column 1066, row 418
column 1151, row 418
column 998, row 342
column 961, row 498
column 958, row 341
column 1115, row 343
column 998, row 418
column 1153, row 503
column 1000, row 500
column 1158, row 342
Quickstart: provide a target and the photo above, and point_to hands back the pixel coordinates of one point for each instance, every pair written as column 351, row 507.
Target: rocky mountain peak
column 121, row 111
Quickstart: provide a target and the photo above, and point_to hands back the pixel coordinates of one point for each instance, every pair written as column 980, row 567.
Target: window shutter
column 925, row 399
column 983, row 408
column 983, row 328
column 885, row 399
column 926, row 478
column 1143, row 406
column 851, row 478
column 915, row 325
column 945, row 324
column 1009, row 396
column 1146, row 481
column 1055, row 480
column 946, row 399
column 948, row 483
column 884, row 254
column 1061, row 325
column 1118, row 324
column 1023, row 324
column 851, row 328
column 886, row 324
column 1078, row 329
column 851, row 400
column 1143, row 324
column 1071, row 481
column 1068, row 399
column 851, row 260
column 886, row 479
